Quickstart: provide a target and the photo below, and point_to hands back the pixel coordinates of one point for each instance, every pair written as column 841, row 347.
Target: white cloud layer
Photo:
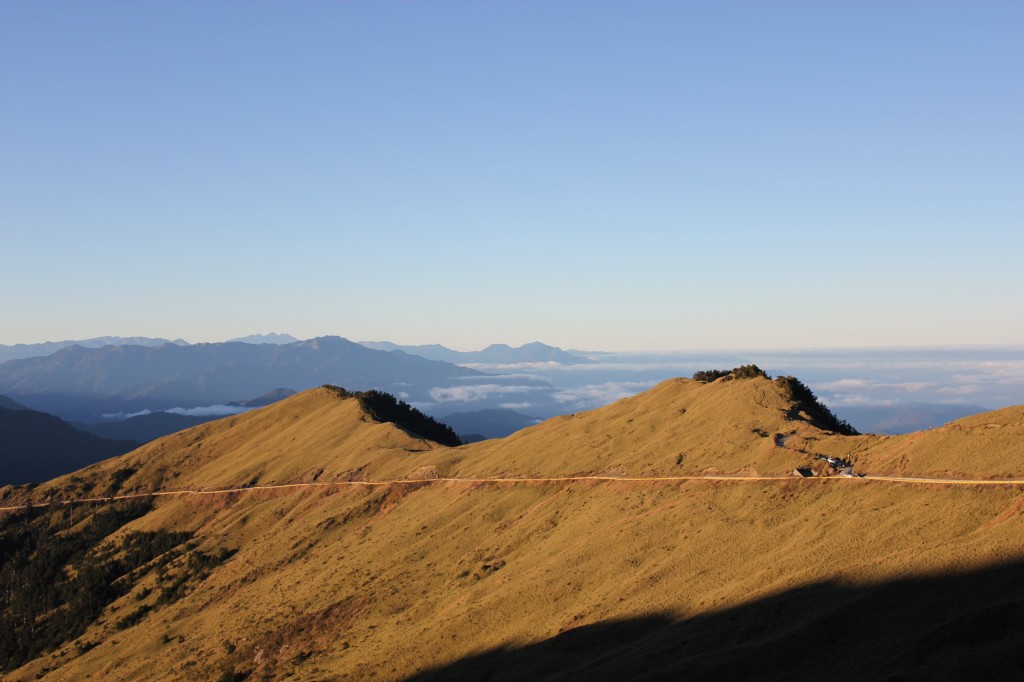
column 524, row 368
column 517, row 406
column 121, row 416
column 991, row 383
column 208, row 410
column 201, row 411
column 467, row 394
column 595, row 395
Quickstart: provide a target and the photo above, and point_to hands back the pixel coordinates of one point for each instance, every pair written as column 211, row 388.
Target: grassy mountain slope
column 530, row 580
column 679, row 427
column 312, row 436
column 986, row 445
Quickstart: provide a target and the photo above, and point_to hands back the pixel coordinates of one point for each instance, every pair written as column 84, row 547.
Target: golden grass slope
column 747, row 427
column 987, row 445
column 678, row 428
column 312, row 436
column 385, row 583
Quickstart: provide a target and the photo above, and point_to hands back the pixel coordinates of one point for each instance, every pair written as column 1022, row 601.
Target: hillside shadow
column 950, row 627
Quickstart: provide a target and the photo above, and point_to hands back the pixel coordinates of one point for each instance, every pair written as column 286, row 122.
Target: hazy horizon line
column 651, row 351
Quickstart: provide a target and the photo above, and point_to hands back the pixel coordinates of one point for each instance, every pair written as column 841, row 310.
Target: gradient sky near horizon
column 601, row 175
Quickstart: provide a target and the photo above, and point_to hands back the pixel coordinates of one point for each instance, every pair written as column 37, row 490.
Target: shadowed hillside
column 145, row 427
column 8, row 404
column 949, row 627
column 36, row 447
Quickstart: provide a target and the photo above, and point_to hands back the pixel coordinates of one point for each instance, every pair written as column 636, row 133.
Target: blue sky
column 603, row 175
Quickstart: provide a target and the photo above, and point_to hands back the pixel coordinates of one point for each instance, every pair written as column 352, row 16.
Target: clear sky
column 602, row 175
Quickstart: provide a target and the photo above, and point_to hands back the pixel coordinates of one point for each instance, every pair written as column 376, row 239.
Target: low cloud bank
column 467, row 394
column 683, row 365
column 201, row 411
column 596, row 395
column 208, row 410
column 517, row 406
column 121, row 416
column 993, row 383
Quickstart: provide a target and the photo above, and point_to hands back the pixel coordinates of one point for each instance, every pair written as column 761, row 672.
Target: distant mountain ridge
column 82, row 384
column 905, row 417
column 489, row 423
column 21, row 351
column 272, row 337
column 496, row 353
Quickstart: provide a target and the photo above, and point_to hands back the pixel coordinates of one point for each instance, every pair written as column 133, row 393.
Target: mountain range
column 498, row 353
column 31, row 350
column 535, row 378
column 83, row 384
column 272, row 337
column 664, row 536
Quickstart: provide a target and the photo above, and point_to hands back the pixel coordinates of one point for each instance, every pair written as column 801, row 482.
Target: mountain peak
column 271, row 337
column 321, row 434
column 384, row 407
column 496, row 353
column 678, row 427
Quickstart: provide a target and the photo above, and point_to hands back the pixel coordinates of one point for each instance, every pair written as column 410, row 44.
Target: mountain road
column 513, row 481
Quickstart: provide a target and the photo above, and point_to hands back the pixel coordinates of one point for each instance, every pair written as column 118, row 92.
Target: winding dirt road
column 541, row 479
